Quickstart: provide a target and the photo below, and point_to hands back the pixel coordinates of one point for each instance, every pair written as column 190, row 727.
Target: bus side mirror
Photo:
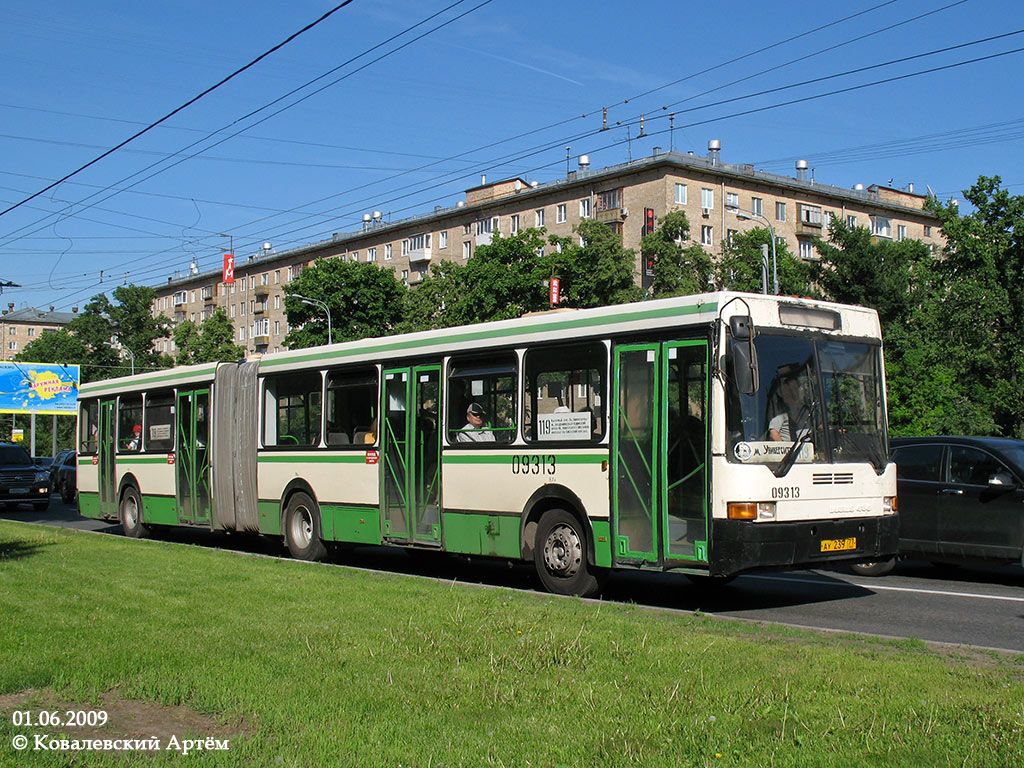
column 744, row 355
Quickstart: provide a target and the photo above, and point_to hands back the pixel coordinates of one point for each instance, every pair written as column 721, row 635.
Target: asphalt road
column 965, row 606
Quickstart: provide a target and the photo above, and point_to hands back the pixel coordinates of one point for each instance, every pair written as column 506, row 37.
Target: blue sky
column 501, row 91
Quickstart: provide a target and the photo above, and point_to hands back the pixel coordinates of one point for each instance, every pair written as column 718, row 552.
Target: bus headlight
column 751, row 510
column 889, row 505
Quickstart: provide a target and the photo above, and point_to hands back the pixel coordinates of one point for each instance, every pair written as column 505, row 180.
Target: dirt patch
column 126, row 718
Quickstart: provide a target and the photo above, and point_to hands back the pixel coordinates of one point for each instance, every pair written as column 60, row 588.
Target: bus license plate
column 838, row 545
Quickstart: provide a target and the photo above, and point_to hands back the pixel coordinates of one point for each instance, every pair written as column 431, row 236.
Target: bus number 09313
column 533, row 465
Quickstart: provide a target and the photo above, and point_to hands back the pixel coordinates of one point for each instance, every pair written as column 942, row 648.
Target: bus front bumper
column 742, row 545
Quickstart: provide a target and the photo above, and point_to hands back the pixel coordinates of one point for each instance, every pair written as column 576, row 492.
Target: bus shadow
column 18, row 550
column 1006, row 575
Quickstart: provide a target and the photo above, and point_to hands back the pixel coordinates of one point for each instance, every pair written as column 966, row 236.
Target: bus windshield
column 819, row 398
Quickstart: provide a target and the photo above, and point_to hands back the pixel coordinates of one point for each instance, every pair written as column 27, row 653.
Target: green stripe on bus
column 458, row 458
column 349, row 458
column 497, row 334
column 141, row 460
column 93, row 389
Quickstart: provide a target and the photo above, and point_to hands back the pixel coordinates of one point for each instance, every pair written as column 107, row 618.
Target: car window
column 973, row 467
column 918, row 462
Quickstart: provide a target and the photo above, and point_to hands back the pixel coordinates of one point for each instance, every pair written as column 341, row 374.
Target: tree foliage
column 211, row 341
column 364, row 300
column 679, row 270
column 597, row 273
column 739, row 269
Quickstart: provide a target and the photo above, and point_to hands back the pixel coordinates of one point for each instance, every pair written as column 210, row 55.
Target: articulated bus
column 710, row 435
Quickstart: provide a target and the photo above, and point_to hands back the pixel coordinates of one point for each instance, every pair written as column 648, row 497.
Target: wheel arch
column 297, row 485
column 129, row 480
column 552, row 496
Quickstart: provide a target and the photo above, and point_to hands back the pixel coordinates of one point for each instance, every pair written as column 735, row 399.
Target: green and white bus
column 711, row 435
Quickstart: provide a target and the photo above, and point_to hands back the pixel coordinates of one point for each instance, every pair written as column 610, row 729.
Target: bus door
column 192, row 461
column 659, row 452
column 105, row 458
column 411, row 441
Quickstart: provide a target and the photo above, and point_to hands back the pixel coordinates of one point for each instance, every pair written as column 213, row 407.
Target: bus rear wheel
column 302, row 528
column 560, row 556
column 131, row 514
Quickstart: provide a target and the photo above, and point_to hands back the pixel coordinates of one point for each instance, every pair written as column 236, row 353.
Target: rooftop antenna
column 568, row 150
column 671, row 132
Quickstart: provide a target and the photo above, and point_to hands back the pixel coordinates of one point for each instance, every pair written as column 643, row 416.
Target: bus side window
column 129, row 424
column 563, row 393
column 88, row 440
column 159, row 421
column 487, row 385
column 292, row 409
column 351, row 410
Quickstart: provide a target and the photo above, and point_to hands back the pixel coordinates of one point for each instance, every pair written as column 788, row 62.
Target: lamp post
column 742, row 213
column 322, row 305
column 116, row 343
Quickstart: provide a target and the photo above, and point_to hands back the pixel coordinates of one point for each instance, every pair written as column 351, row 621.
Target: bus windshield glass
column 819, row 398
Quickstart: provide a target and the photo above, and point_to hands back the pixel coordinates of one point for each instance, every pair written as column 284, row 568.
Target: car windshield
column 13, row 456
column 825, row 395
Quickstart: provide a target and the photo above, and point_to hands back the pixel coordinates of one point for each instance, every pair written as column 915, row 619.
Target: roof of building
column 33, row 316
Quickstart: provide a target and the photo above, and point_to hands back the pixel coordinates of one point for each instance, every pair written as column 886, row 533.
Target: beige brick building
column 18, row 327
column 719, row 199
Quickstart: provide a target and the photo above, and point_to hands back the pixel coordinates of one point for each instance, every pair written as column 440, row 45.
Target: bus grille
column 832, row 478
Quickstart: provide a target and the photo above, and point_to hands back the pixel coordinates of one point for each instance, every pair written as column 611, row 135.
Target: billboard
column 43, row 388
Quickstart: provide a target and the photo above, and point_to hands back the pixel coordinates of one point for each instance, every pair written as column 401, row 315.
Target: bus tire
column 879, row 568
column 131, row 514
column 560, row 556
column 302, row 528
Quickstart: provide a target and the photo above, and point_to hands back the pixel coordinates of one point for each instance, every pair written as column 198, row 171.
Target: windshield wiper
column 791, row 455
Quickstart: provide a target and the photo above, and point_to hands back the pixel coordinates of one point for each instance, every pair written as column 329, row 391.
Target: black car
column 961, row 501
column 66, row 477
column 21, row 480
column 57, row 461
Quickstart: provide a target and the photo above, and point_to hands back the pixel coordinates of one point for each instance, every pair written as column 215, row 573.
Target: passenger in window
column 370, row 436
column 791, row 418
column 136, row 440
column 476, row 430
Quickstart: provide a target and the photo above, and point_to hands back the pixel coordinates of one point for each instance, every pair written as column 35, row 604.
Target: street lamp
column 742, row 213
column 116, row 343
column 322, row 305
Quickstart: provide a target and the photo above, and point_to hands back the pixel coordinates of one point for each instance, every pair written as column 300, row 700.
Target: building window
column 405, row 277
column 442, row 240
column 730, row 234
column 371, row 254
column 232, row 310
column 538, row 217
column 467, row 249
column 467, row 229
column 277, row 327
column 514, row 224
column 707, row 198
column 252, row 282
column 851, row 222
column 927, row 230
column 277, row 302
column 757, row 206
column 560, row 214
column 810, row 215
column 241, row 333
column 355, row 255
column 707, row 235
column 732, row 200
column 585, row 208
column 681, row 194
column 487, row 226
column 881, row 226
column 901, row 232
column 12, row 331
column 277, row 276
column 12, row 345
column 806, row 249
column 609, row 200
column 241, row 308
column 265, row 278
column 31, row 332
column 387, row 252
column 780, row 211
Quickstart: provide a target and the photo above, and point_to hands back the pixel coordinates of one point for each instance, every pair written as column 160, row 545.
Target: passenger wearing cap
column 136, row 442
column 476, row 430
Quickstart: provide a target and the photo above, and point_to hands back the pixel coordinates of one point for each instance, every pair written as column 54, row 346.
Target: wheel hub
column 563, row 551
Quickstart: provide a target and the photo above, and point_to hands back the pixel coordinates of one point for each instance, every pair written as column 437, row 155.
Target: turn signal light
column 889, row 505
column 742, row 510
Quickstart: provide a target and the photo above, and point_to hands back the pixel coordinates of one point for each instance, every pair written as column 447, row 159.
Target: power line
column 187, row 104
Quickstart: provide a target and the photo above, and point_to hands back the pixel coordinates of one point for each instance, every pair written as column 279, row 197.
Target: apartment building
column 719, row 199
column 18, row 327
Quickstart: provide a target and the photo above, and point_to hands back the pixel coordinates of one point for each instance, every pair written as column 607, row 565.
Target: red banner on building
column 554, row 290
column 229, row 267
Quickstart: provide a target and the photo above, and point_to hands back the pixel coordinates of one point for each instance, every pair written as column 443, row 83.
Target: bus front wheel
column 560, row 555
column 131, row 514
column 302, row 528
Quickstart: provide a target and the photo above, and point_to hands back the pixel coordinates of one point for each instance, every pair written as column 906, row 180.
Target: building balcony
column 809, row 229
column 419, row 255
column 262, row 290
column 484, row 238
column 611, row 214
column 261, row 339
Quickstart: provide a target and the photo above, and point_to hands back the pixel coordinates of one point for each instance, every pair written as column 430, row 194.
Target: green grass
column 327, row 666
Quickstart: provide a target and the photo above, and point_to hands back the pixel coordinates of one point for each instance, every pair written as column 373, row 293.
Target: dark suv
column 21, row 480
column 961, row 501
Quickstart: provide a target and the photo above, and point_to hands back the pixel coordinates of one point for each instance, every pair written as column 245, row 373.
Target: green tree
column 212, row 341
column 597, row 273
column 739, row 269
column 678, row 270
column 364, row 300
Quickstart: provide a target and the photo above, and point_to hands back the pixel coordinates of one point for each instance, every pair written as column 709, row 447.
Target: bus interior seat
column 338, row 438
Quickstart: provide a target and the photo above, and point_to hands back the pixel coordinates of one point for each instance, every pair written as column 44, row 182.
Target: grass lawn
column 310, row 665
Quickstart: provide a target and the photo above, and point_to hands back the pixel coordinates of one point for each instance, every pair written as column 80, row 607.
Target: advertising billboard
column 42, row 388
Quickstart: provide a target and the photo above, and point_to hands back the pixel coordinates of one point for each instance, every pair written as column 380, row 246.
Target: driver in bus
column 790, row 421
column 476, row 430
